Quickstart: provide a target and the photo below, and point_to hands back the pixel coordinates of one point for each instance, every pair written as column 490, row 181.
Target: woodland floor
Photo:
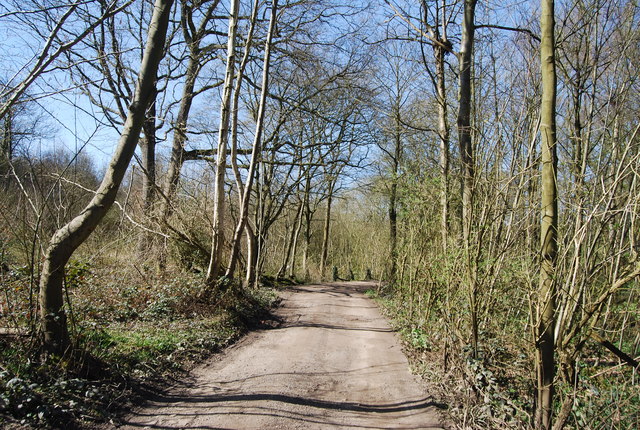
column 332, row 362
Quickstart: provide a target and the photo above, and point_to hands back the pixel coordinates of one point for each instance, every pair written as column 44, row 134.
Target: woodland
column 166, row 166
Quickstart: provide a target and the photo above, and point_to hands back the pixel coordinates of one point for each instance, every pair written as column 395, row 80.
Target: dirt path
column 333, row 363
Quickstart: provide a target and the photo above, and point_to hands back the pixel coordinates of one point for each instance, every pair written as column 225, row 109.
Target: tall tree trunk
column 393, row 227
column 252, row 257
column 464, row 117
column 148, row 151
column 443, row 134
column 308, row 217
column 256, row 148
column 149, row 157
column 326, row 230
column 217, row 241
column 294, row 248
column 393, row 196
column 67, row 239
column 179, row 139
column 307, row 245
column 549, row 225
column 6, row 151
column 291, row 242
column 467, row 158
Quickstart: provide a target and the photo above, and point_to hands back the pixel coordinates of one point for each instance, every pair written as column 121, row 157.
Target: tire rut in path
column 334, row 362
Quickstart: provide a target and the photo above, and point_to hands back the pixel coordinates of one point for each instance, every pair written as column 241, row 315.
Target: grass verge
column 124, row 347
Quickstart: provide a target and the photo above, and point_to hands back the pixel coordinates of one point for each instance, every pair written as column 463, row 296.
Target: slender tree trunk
column 467, row 158
column 6, row 152
column 257, row 147
column 307, row 245
column 217, row 241
column 289, row 254
column 252, row 257
column 67, row 239
column 443, row 134
column 179, row 139
column 180, row 127
column 308, row 217
column 464, row 117
column 393, row 198
column 393, row 229
column 549, row 224
column 294, row 250
column 148, row 150
column 326, row 230
column 7, row 136
column 149, row 157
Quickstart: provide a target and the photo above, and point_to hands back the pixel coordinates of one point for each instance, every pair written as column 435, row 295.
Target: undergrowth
column 495, row 391
column 130, row 332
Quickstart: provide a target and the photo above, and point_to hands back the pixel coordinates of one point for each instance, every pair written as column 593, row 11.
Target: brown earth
column 334, row 362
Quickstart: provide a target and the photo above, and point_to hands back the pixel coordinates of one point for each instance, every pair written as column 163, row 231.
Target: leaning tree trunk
column 217, row 241
column 549, row 225
column 67, row 239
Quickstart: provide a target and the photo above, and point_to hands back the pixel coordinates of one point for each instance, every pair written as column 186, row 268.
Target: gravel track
column 334, row 362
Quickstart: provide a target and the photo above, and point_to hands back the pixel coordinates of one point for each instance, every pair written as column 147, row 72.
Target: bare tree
column 67, row 239
column 217, row 241
column 257, row 147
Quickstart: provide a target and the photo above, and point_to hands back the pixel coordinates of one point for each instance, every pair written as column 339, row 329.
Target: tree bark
column 289, row 252
column 326, row 230
column 257, row 147
column 393, row 196
column 464, row 117
column 308, row 217
column 294, row 248
column 148, row 151
column 217, row 241
column 443, row 134
column 67, row 239
column 149, row 158
column 549, row 225
column 467, row 159
column 252, row 257
column 179, row 139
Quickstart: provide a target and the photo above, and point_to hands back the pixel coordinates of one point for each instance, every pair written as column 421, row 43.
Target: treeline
column 483, row 282
column 284, row 131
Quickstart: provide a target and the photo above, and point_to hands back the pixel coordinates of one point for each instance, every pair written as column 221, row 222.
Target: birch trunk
column 217, row 241
column 256, row 148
